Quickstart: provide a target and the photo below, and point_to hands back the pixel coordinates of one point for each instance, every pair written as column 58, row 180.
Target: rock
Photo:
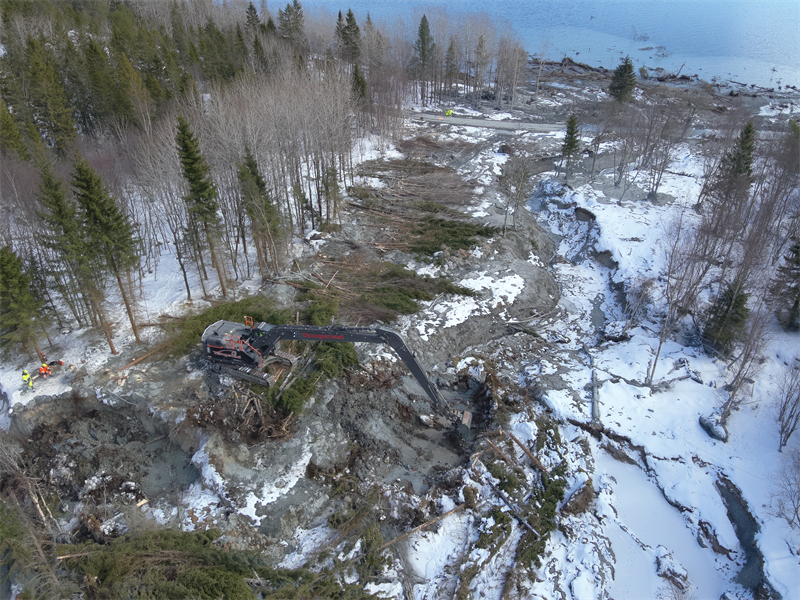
column 670, row 569
column 712, row 426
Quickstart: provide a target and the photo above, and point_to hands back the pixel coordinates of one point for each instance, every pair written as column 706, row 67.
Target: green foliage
column 251, row 17
column 295, row 396
column 508, row 479
column 14, row 553
column 187, row 334
column 60, row 217
column 333, row 357
column 371, row 563
column 264, row 215
column 359, row 84
column 424, row 46
column 739, row 161
column 291, row 23
column 545, row 501
column 10, row 135
column 402, row 288
column 322, row 311
column 547, row 433
column 19, row 309
column 176, row 565
column 571, row 143
column 108, row 231
column 497, row 532
column 456, row 235
column 202, row 195
column 451, row 63
column 348, row 36
column 727, row 318
column 623, row 82
column 786, row 288
column 46, row 97
column 400, row 300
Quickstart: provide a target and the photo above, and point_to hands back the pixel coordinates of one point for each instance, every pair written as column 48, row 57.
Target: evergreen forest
column 212, row 132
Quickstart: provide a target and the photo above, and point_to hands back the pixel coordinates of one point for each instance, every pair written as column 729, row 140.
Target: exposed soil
column 137, row 438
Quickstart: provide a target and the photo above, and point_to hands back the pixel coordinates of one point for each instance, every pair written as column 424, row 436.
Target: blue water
column 749, row 41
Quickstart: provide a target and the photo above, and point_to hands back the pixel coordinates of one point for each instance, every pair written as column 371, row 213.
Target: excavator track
column 245, row 374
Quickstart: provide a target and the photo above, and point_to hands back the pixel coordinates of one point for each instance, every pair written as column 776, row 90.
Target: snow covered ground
column 660, row 512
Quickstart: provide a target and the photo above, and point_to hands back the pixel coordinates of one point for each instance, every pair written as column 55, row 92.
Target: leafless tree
column 684, row 275
column 787, row 402
column 785, row 493
column 749, row 360
column 516, row 182
column 540, row 59
column 638, row 298
column 511, row 68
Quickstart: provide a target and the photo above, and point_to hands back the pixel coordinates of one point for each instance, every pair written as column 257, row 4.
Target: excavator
column 243, row 350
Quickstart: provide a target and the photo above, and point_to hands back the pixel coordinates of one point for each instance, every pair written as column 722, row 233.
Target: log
column 513, row 510
column 527, row 451
column 500, row 453
column 420, row 527
column 141, row 358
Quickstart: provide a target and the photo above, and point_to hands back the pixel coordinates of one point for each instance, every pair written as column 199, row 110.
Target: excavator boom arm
column 268, row 343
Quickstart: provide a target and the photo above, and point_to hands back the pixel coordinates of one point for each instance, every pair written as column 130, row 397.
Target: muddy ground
column 151, row 432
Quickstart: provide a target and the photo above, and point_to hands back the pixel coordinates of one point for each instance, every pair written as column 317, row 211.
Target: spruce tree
column 291, row 23
column 623, row 82
column 107, row 230
column 739, row 162
column 201, row 197
column 451, row 64
column 351, row 38
column 61, row 234
column 102, row 86
column 61, row 220
column 251, row 17
column 786, row 288
column 339, row 29
column 48, row 99
column 10, row 136
column 570, row 146
column 262, row 212
column 19, row 308
column 359, row 84
column 422, row 62
column 727, row 318
column 728, row 189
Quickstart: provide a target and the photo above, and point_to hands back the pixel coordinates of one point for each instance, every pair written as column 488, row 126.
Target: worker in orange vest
column 44, row 371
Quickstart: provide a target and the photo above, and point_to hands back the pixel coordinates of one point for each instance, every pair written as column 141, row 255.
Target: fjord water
column 748, row 41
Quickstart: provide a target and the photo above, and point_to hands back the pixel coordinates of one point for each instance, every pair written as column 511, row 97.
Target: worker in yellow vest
column 26, row 378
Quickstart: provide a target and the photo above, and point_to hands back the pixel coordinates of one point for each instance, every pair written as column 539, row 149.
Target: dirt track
column 489, row 123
